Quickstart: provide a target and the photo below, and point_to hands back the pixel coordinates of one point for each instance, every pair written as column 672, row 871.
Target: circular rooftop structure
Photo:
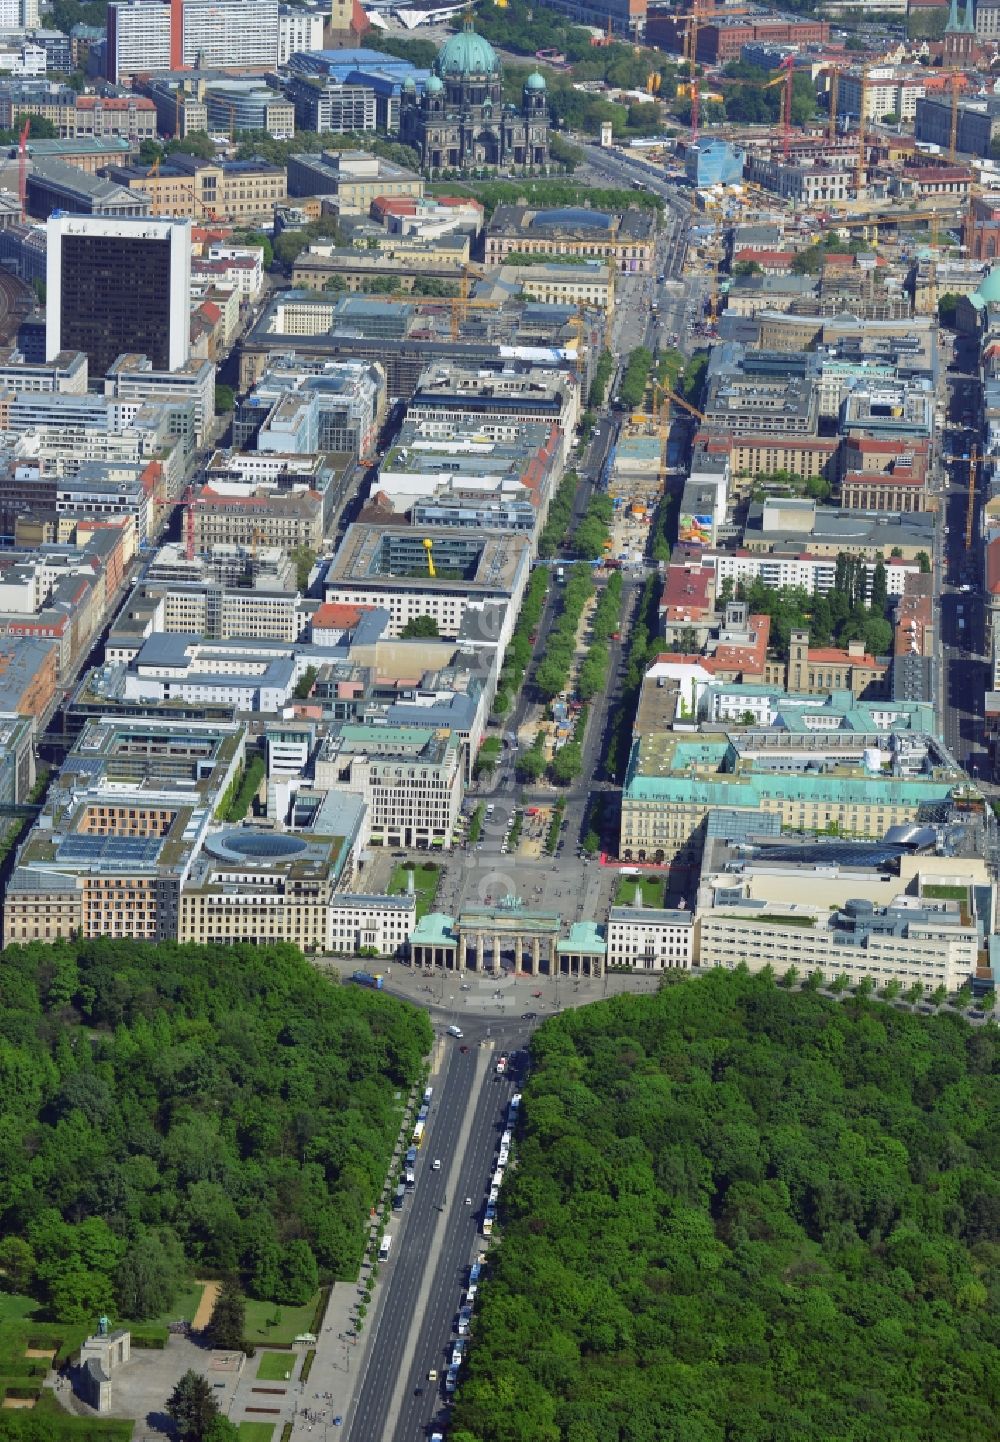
column 433, row 85
column 535, row 81
column 467, row 54
column 989, row 287
column 570, row 218
column 244, row 844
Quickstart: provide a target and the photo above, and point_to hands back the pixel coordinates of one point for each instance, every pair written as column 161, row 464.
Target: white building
column 650, row 939
column 411, row 780
column 18, row 15
column 132, row 377
column 815, row 574
column 298, row 31
column 362, row 923
column 152, row 35
column 888, row 90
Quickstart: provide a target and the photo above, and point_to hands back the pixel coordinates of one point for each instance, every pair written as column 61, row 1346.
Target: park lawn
column 654, row 890
column 273, row 1366
column 256, row 1431
column 66, row 1428
column 292, row 1321
column 19, row 1330
column 14, row 1307
column 425, row 884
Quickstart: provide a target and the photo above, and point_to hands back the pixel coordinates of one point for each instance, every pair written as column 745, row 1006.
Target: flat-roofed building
column 360, row 924
column 813, row 783
column 388, row 566
column 650, row 938
column 119, row 830
column 411, row 779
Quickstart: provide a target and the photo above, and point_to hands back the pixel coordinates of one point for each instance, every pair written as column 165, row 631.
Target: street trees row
column 745, row 1211
column 522, row 641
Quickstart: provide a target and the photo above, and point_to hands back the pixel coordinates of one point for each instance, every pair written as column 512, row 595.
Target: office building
column 248, row 884
column 184, row 185
column 117, row 287
column 889, row 910
column 439, row 573
column 856, row 784
column 146, row 36
column 119, row 831
column 411, row 779
column 299, row 31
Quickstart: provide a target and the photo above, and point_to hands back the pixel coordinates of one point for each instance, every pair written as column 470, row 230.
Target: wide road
column 434, row 1240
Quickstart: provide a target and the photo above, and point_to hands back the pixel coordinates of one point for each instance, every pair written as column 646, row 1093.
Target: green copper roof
column 467, row 54
column 535, row 81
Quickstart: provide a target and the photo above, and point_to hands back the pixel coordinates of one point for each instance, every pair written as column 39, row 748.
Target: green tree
column 420, row 626
column 303, row 558
column 227, row 1324
column 225, row 399
column 305, row 683
column 193, row 1407
column 529, row 765
column 149, row 1275
column 17, row 1262
column 567, row 764
column 258, row 238
column 298, row 1276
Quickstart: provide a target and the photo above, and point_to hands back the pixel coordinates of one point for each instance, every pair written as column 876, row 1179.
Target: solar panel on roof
column 111, row 850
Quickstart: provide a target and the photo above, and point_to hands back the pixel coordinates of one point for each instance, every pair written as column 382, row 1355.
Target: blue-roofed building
column 374, row 71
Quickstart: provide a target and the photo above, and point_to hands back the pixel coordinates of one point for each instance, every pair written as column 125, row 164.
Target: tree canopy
column 170, row 1108
column 744, row 1212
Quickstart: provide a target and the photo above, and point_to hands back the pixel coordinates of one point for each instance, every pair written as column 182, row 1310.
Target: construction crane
column 22, row 165
column 956, row 84
column 785, row 78
column 429, row 548
column 190, row 501
column 834, row 97
column 678, row 400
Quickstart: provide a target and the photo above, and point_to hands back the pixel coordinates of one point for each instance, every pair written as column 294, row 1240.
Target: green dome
column 535, row 81
column 409, row 85
column 989, row 287
column 432, row 85
column 467, row 54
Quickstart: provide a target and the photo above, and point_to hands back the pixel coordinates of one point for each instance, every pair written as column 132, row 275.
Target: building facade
column 117, row 286
column 461, row 122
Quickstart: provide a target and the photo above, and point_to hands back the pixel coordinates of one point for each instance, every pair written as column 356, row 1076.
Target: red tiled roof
column 336, row 615
column 993, row 567
column 833, row 655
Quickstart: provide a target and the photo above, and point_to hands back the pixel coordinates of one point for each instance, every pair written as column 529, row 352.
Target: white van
column 454, row 1031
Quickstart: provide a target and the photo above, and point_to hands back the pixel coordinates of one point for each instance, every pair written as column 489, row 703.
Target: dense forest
column 746, row 1214
column 170, row 1110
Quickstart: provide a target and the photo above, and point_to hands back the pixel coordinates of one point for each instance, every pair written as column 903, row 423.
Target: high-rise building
column 115, row 286
column 18, row 15
column 152, row 35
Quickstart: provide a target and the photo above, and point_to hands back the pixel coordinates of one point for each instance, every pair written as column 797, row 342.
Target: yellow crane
column 429, row 548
